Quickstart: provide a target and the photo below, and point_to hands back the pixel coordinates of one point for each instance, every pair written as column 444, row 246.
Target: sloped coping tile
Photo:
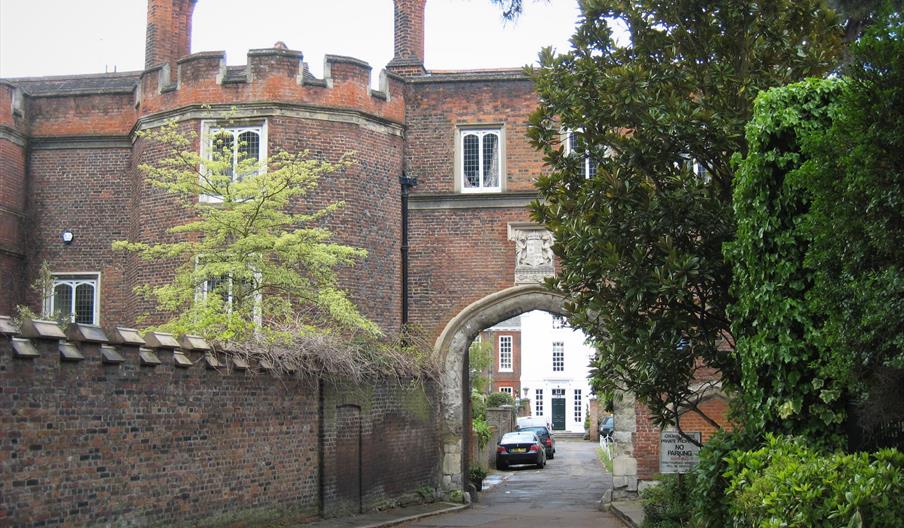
column 41, row 329
column 194, row 343
column 86, row 333
column 127, row 336
column 70, row 352
column 239, row 363
column 211, row 360
column 109, row 355
column 7, row 327
column 148, row 358
column 24, row 348
column 181, row 360
column 160, row 340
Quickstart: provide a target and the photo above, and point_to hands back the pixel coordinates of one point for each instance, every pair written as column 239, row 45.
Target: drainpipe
column 406, row 183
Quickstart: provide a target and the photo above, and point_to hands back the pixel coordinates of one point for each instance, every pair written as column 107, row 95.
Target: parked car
column 607, row 426
column 546, row 438
column 520, row 447
column 532, row 421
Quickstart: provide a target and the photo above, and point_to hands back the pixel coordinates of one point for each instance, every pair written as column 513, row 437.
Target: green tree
column 658, row 114
column 248, row 266
column 856, row 225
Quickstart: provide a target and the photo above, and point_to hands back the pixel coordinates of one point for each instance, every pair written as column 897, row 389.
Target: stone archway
column 452, row 349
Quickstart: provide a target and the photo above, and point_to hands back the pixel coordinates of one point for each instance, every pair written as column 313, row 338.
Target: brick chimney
column 409, row 38
column 169, row 31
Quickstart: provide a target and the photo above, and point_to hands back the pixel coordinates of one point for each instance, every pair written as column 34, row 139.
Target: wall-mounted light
column 67, row 236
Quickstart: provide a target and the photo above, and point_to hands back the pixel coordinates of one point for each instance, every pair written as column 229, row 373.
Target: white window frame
column 538, row 402
column 480, row 131
column 587, row 163
column 578, row 406
column 507, row 390
column 74, row 279
column 559, row 322
column 506, row 355
column 204, row 288
column 558, row 352
column 212, row 127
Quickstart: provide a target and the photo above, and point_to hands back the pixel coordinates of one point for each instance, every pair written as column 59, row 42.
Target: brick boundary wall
column 113, row 439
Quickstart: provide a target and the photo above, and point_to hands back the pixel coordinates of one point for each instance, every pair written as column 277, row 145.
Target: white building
column 555, row 363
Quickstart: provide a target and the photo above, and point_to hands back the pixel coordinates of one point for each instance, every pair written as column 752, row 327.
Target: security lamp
column 67, row 237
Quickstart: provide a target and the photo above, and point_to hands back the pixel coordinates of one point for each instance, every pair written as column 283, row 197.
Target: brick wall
column 646, row 438
column 379, row 441
column 434, row 111
column 87, row 443
column 88, row 191
column 457, row 257
column 511, row 378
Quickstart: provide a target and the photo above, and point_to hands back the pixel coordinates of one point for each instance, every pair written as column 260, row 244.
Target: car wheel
column 551, row 455
column 542, row 464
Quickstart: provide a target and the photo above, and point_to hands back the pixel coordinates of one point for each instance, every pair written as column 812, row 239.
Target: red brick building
column 505, row 373
column 70, row 183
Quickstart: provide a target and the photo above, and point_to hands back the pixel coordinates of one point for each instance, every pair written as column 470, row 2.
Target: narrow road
column 563, row 495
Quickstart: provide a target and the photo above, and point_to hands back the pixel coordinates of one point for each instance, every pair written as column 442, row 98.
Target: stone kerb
column 452, row 348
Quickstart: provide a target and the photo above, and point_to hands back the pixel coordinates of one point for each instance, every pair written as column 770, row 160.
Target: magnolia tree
column 638, row 124
column 248, row 267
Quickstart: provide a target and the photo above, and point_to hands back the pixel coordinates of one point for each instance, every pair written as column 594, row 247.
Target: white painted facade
column 541, row 343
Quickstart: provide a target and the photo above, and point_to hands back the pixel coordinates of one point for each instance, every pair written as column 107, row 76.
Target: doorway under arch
column 452, row 349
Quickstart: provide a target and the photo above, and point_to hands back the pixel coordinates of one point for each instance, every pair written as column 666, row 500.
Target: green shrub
column 666, row 505
column 497, row 399
column 478, row 405
column 708, row 500
column 788, row 484
column 482, row 430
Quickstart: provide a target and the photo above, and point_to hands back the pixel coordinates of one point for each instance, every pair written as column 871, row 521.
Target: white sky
column 59, row 37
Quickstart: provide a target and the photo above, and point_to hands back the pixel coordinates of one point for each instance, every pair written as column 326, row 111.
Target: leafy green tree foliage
column 789, row 383
column 247, row 265
column 659, row 115
column 856, row 223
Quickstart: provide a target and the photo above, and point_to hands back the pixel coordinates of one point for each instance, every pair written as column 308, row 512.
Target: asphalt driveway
column 563, row 495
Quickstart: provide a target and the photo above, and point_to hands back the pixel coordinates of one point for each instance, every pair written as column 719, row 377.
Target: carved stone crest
column 533, row 252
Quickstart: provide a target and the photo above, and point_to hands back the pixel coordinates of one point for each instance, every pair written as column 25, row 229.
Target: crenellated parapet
column 90, row 345
column 272, row 75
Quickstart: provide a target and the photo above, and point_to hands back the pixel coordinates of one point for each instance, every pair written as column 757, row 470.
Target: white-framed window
column 507, row 390
column 558, row 356
column 75, row 296
column 559, row 322
column 691, row 164
column 480, row 159
column 234, row 145
column 233, row 291
column 538, row 402
column 578, row 406
column 574, row 145
column 505, row 353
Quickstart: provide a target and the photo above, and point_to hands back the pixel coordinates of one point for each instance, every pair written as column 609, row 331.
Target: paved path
column 564, row 495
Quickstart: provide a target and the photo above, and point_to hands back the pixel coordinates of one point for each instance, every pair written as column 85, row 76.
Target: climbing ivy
column 789, row 383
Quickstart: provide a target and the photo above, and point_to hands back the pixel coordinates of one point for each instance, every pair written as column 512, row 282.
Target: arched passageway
column 452, row 348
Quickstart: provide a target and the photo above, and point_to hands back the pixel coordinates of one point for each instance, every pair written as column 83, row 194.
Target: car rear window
column 538, row 430
column 518, row 437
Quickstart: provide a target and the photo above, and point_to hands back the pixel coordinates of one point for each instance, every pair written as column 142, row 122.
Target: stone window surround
column 458, row 171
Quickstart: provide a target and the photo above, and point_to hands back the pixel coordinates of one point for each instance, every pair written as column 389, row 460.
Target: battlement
column 272, row 75
column 40, row 339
